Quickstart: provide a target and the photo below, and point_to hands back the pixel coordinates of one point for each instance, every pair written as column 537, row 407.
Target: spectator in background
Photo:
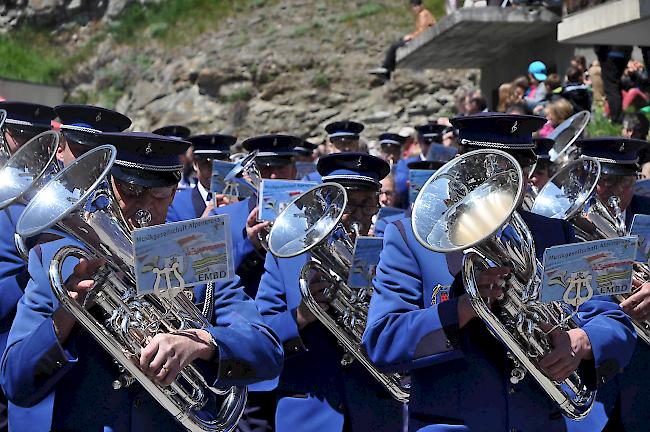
column 536, row 92
column 521, row 84
column 636, row 125
column 553, row 88
column 596, row 83
column 580, row 62
column 410, row 145
column 556, row 113
column 636, row 86
column 575, row 90
column 507, row 96
column 613, row 61
column 475, row 104
column 423, row 20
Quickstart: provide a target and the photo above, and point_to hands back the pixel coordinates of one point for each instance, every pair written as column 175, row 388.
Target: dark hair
column 573, row 74
column 416, row 2
column 518, row 108
column 522, row 81
column 638, row 123
column 553, row 81
column 581, row 61
column 480, row 102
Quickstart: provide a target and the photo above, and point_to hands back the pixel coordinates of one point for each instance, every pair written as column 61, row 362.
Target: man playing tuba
column 48, row 351
column 421, row 320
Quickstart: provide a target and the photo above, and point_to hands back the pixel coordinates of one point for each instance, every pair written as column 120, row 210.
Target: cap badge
column 99, row 117
column 513, row 129
column 621, row 149
column 37, row 112
column 213, row 140
column 148, row 150
column 359, row 162
column 275, row 142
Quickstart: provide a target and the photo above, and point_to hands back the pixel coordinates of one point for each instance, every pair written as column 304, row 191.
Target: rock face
column 53, row 12
column 290, row 66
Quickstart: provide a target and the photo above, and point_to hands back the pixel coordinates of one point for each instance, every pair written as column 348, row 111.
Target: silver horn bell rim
column 567, row 133
column 453, row 197
column 60, row 196
column 26, row 166
column 297, row 230
column 566, row 192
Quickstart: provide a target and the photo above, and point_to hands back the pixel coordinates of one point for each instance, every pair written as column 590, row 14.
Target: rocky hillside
column 267, row 66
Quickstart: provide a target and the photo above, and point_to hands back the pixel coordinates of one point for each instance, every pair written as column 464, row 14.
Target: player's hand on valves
column 637, row 305
column 168, row 353
column 569, row 349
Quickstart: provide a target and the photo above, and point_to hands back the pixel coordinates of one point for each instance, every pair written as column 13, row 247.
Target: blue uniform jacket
column 313, row 358
column 381, row 224
column 188, row 204
column 401, row 172
column 313, row 176
column 460, row 377
column 80, row 372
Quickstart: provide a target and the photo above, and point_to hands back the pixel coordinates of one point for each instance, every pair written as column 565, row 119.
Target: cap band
column 359, row 178
column 148, row 167
column 505, row 146
column 80, row 127
column 390, row 141
column 343, row 134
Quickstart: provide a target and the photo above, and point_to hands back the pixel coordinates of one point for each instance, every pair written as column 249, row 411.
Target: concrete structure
column 620, row 22
column 499, row 41
column 29, row 92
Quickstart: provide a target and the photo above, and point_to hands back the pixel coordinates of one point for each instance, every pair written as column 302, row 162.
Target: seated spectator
column 575, row 91
column 507, row 96
column 556, row 112
column 423, row 20
column 635, row 85
column 580, row 62
column 636, row 125
column 475, row 104
column 553, row 89
column 522, row 85
column 536, row 92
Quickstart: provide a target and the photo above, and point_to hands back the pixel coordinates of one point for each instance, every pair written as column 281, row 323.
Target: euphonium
column 470, row 205
column 4, row 150
column 80, row 201
column 312, row 224
column 28, row 168
column 571, row 195
column 565, row 135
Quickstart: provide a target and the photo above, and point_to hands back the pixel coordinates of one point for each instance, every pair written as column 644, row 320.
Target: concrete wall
column 30, row 92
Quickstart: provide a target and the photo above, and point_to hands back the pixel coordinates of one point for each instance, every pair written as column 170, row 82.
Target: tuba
column 565, row 135
column 571, row 195
column 312, row 223
column 80, row 201
column 470, row 205
column 244, row 176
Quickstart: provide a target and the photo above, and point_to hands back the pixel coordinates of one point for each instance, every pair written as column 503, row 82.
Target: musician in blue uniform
column 319, row 393
column 390, row 145
column 48, row 351
column 24, row 121
column 544, row 167
column 619, row 159
column 427, row 135
column 342, row 136
column 79, row 123
column 421, row 321
column 187, row 174
column 191, row 203
column 380, row 226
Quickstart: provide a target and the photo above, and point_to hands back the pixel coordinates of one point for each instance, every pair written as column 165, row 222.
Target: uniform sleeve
column 611, row 335
column 249, row 351
column 271, row 300
column 34, row 360
column 13, row 272
column 401, row 334
column 172, row 214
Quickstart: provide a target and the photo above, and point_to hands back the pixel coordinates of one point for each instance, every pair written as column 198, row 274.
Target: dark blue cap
column 391, row 139
column 346, row 128
column 273, row 150
column 617, row 155
column 353, row 169
column 431, row 132
column 173, row 131
column 212, row 146
column 146, row 159
column 28, row 114
column 542, row 147
column 498, row 130
column 80, row 122
column 306, row 148
column 425, row 165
